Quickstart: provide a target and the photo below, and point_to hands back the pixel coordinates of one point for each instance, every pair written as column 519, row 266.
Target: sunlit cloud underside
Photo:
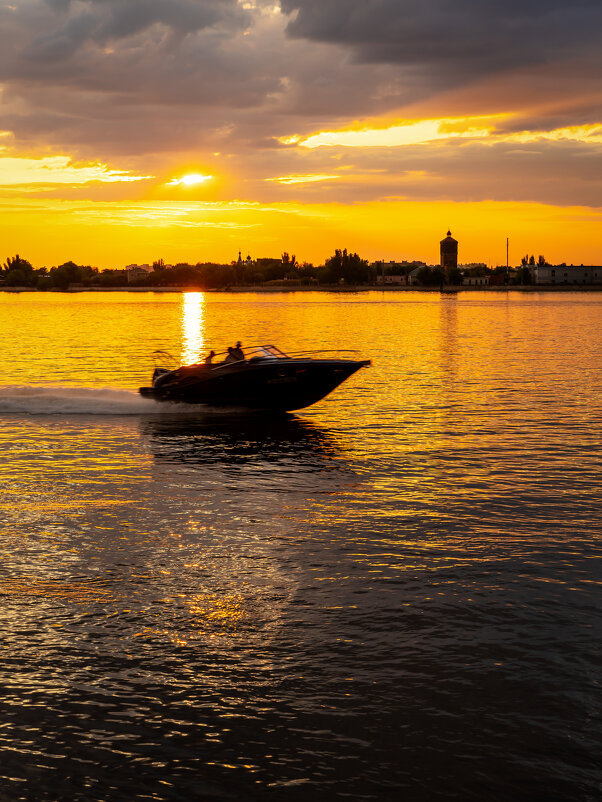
column 302, row 179
column 425, row 131
column 22, row 171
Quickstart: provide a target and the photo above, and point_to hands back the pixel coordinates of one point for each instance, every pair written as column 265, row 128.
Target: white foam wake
column 78, row 401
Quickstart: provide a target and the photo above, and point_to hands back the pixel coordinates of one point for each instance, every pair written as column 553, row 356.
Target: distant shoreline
column 527, row 288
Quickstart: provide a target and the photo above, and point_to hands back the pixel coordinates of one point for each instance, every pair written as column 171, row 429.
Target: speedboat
column 264, row 378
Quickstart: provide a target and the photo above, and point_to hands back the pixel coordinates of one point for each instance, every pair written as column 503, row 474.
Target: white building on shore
column 566, row 274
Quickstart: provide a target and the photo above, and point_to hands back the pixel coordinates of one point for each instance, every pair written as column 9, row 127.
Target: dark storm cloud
column 105, row 21
column 224, row 65
column 154, row 74
column 461, row 35
column 119, row 18
column 76, row 65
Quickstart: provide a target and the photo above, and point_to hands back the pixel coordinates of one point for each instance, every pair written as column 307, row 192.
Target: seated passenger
column 230, row 357
column 237, row 351
column 209, row 357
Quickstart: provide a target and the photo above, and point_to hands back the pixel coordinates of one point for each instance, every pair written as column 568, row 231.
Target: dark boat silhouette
column 265, row 379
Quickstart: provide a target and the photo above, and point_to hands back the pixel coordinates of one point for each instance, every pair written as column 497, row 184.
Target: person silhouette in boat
column 237, row 351
column 235, row 354
column 231, row 357
column 209, row 357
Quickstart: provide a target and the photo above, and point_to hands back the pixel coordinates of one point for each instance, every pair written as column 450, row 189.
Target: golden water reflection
column 193, row 326
column 252, row 591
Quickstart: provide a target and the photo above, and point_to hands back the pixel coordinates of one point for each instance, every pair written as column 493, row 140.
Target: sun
column 189, row 180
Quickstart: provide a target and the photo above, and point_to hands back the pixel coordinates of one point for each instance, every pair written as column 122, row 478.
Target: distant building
column 566, row 274
column 135, row 272
column 240, row 262
column 394, row 272
column 475, row 281
column 413, row 279
column 449, row 252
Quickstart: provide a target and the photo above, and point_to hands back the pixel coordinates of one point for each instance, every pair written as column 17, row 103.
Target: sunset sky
column 187, row 129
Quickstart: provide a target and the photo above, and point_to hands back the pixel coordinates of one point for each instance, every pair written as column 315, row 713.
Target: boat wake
column 80, row 401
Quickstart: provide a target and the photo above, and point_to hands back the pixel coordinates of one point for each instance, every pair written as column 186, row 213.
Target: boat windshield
column 256, row 352
column 264, row 350
column 250, row 352
column 163, row 359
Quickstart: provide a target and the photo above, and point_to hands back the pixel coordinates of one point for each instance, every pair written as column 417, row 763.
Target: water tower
column 449, row 252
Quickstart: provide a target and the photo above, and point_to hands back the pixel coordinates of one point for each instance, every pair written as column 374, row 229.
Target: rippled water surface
column 392, row 595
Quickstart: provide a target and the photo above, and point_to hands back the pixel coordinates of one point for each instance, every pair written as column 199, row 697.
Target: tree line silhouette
column 341, row 267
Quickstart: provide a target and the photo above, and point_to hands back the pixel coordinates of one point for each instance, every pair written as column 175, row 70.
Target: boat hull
column 279, row 384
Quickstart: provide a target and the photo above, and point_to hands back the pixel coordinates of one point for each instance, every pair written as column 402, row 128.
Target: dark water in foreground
column 393, row 595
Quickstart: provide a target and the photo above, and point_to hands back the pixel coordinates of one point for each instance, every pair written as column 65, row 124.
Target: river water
column 392, row 595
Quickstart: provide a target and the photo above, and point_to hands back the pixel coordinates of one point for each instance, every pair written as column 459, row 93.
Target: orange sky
column 189, row 129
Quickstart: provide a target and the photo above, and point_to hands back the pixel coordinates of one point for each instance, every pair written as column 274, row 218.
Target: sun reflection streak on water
column 193, row 326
